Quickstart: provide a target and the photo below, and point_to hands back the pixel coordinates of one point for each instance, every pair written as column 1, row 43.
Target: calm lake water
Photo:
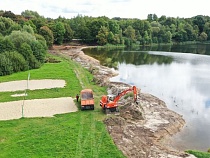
column 178, row 75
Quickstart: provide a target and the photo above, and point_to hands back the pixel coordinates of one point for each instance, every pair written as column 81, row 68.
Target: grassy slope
column 79, row 134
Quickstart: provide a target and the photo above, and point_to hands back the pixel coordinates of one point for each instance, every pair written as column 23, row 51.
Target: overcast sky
column 110, row 8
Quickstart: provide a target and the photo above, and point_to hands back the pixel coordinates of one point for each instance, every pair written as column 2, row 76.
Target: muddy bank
column 139, row 130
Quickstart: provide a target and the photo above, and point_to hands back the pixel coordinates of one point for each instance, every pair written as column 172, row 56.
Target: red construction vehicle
column 109, row 104
column 87, row 99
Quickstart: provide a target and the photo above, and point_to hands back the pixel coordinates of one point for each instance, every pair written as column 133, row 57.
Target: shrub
column 5, row 65
column 38, row 51
column 6, row 45
column 18, row 37
column 27, row 53
column 17, row 60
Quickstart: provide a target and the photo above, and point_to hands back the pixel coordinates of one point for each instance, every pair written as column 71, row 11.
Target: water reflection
column 177, row 85
column 182, row 80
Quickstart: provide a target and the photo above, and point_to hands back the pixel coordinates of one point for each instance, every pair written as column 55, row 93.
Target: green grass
column 199, row 154
column 79, row 134
column 63, row 70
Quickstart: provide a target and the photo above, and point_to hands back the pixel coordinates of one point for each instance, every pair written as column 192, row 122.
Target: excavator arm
column 134, row 89
column 111, row 106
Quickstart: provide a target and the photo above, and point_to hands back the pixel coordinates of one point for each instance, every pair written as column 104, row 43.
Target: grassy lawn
column 78, row 134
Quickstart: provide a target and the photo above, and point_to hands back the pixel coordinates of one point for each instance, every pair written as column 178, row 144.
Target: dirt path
column 140, row 131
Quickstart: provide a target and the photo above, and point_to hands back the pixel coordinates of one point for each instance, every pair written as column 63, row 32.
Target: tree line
column 25, row 38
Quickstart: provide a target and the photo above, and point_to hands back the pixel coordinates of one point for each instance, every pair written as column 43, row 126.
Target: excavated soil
column 140, row 130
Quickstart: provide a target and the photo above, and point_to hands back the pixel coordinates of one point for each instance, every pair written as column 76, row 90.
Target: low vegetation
column 78, row 134
column 199, row 154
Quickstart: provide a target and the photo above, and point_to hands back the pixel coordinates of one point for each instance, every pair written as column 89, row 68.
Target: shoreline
column 157, row 122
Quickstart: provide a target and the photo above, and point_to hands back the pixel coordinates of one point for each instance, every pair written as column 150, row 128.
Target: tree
column 114, row 27
column 38, row 51
column 48, row 35
column 15, row 27
column 27, row 53
column 28, row 29
column 130, row 33
column 152, row 17
column 17, row 60
column 30, row 14
column 162, row 19
column 103, row 35
column 207, row 29
column 6, row 45
column 39, row 22
column 42, row 40
column 180, row 36
column 68, row 36
column 95, row 26
column 5, row 65
column 9, row 14
column 110, row 38
column 58, row 32
column 190, row 32
column 30, row 23
column 147, row 39
column 138, row 25
column 149, row 18
column 19, row 37
column 167, row 37
column 200, row 22
column 5, row 25
column 203, row 37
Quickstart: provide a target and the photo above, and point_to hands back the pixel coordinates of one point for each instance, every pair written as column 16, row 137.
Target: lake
column 179, row 75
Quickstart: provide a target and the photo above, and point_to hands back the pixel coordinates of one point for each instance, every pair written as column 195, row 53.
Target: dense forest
column 25, row 38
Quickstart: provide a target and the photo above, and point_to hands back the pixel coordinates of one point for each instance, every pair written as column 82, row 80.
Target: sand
column 31, row 84
column 37, row 107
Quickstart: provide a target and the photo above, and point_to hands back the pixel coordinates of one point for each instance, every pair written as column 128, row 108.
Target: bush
column 48, row 35
column 27, row 53
column 6, row 45
column 17, row 60
column 5, row 65
column 18, row 37
column 38, row 51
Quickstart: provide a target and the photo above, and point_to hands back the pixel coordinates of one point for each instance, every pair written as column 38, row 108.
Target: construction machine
column 87, row 99
column 109, row 103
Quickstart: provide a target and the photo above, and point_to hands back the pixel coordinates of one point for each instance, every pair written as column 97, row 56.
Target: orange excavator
column 110, row 105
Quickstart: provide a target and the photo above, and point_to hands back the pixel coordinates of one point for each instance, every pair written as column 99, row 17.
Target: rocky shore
column 139, row 130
